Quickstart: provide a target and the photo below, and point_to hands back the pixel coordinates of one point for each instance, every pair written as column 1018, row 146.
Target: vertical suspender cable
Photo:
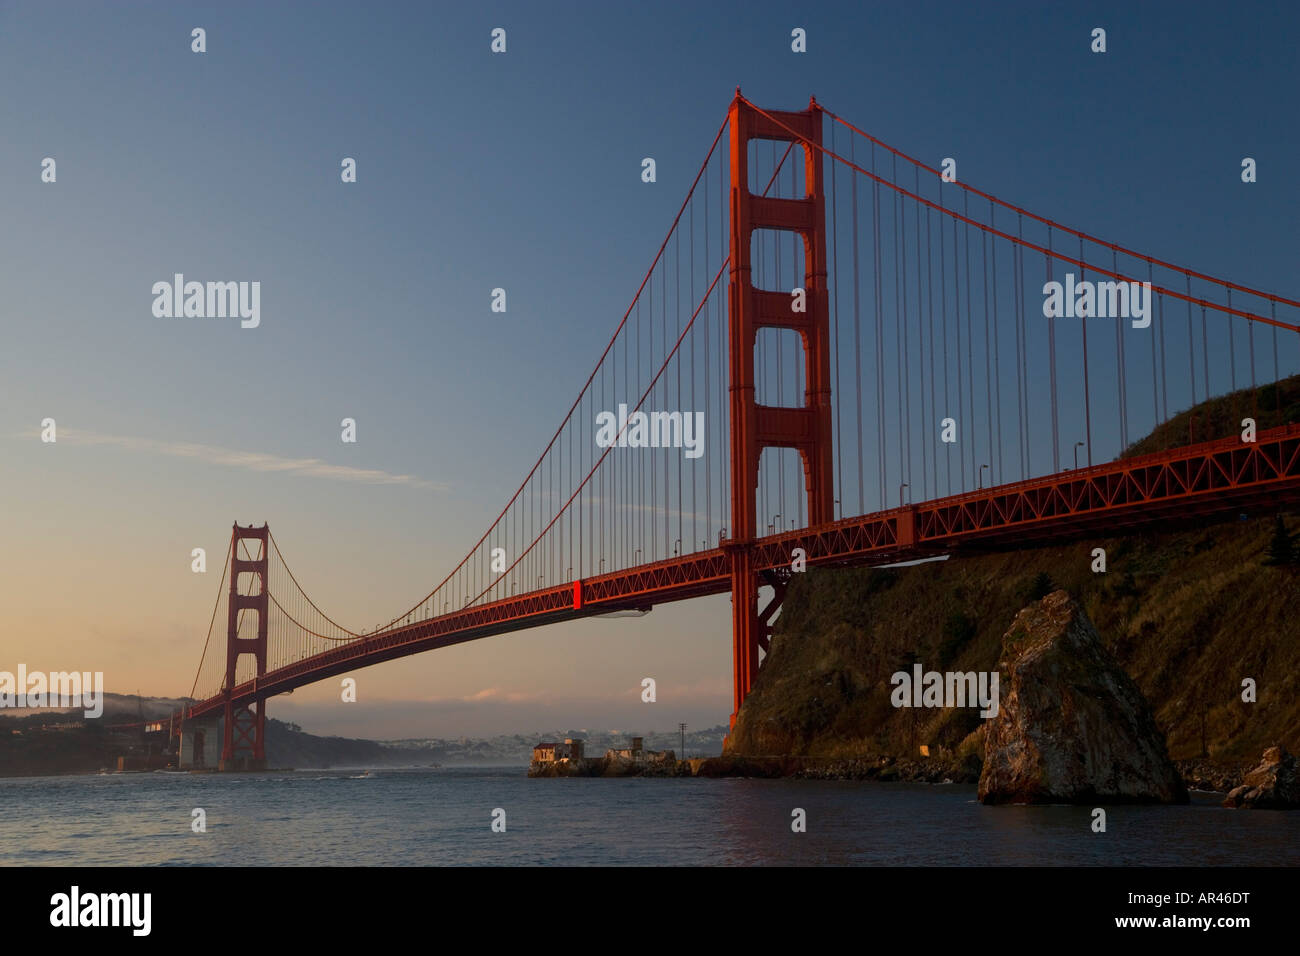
column 920, row 346
column 1232, row 346
column 1051, row 358
column 1151, row 311
column 857, row 323
column 1205, row 351
column 708, row 312
column 970, row 345
column 988, row 374
column 997, row 349
column 932, row 421
column 1277, row 372
column 1120, row 362
column 943, row 317
column 700, row 437
column 1087, row 398
column 1191, row 362
column 880, row 336
column 835, row 349
column 1277, row 375
column 900, row 306
column 677, row 305
column 1022, row 338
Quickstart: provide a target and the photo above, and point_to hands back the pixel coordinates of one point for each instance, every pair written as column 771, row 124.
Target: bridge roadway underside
column 1165, row 489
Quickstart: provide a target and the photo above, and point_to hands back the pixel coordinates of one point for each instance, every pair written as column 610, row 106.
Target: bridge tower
column 244, row 735
column 754, row 426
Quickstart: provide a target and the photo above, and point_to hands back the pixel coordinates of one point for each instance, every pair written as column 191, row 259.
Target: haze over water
column 426, row 817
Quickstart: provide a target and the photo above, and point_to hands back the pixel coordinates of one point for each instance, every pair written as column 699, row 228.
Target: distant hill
column 53, row 742
column 118, row 708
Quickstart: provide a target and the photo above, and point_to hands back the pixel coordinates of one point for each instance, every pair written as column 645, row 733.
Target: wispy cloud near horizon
column 247, row 460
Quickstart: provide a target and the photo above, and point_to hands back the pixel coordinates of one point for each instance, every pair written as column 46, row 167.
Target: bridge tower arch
column 806, row 428
column 244, row 733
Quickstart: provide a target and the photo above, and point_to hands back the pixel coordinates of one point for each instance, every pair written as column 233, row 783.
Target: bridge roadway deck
column 1168, row 488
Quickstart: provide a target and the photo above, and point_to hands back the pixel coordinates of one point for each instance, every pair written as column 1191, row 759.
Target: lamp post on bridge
column 979, row 478
column 1077, row 446
column 900, row 493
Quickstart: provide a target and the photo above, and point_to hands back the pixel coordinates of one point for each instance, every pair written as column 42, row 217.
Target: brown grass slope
column 1270, row 405
column 1188, row 615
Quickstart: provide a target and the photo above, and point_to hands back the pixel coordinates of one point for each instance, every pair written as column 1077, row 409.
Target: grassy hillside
column 1270, row 405
column 1188, row 615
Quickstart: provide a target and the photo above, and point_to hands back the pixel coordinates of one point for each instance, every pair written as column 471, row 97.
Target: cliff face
column 1187, row 615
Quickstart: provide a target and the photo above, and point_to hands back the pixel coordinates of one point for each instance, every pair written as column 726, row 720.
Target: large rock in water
column 1071, row 727
column 1273, row 785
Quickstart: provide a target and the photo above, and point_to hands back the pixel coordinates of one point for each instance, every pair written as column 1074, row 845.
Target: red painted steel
column 1204, row 480
column 1174, row 487
column 245, row 719
column 754, row 426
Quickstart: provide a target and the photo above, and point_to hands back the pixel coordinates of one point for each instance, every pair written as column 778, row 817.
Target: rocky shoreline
column 1070, row 726
column 1207, row 775
column 1200, row 774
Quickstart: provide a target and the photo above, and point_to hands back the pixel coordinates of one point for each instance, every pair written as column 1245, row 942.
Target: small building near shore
column 548, row 752
column 544, row 752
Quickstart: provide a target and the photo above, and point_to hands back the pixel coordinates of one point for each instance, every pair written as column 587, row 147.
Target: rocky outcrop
column 1187, row 614
column 1273, row 785
column 1072, row 726
column 1211, row 775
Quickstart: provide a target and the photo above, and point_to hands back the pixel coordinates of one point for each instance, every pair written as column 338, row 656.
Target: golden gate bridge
column 870, row 336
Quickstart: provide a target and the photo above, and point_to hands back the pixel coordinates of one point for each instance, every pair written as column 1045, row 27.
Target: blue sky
column 478, row 170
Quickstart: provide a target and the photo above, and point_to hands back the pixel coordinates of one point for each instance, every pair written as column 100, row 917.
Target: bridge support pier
column 806, row 427
column 198, row 744
column 745, row 625
column 245, row 730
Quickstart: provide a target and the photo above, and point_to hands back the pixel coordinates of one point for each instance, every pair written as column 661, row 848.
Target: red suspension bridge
column 864, row 343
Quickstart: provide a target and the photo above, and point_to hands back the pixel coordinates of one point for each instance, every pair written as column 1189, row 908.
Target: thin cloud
column 247, row 460
column 498, row 694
